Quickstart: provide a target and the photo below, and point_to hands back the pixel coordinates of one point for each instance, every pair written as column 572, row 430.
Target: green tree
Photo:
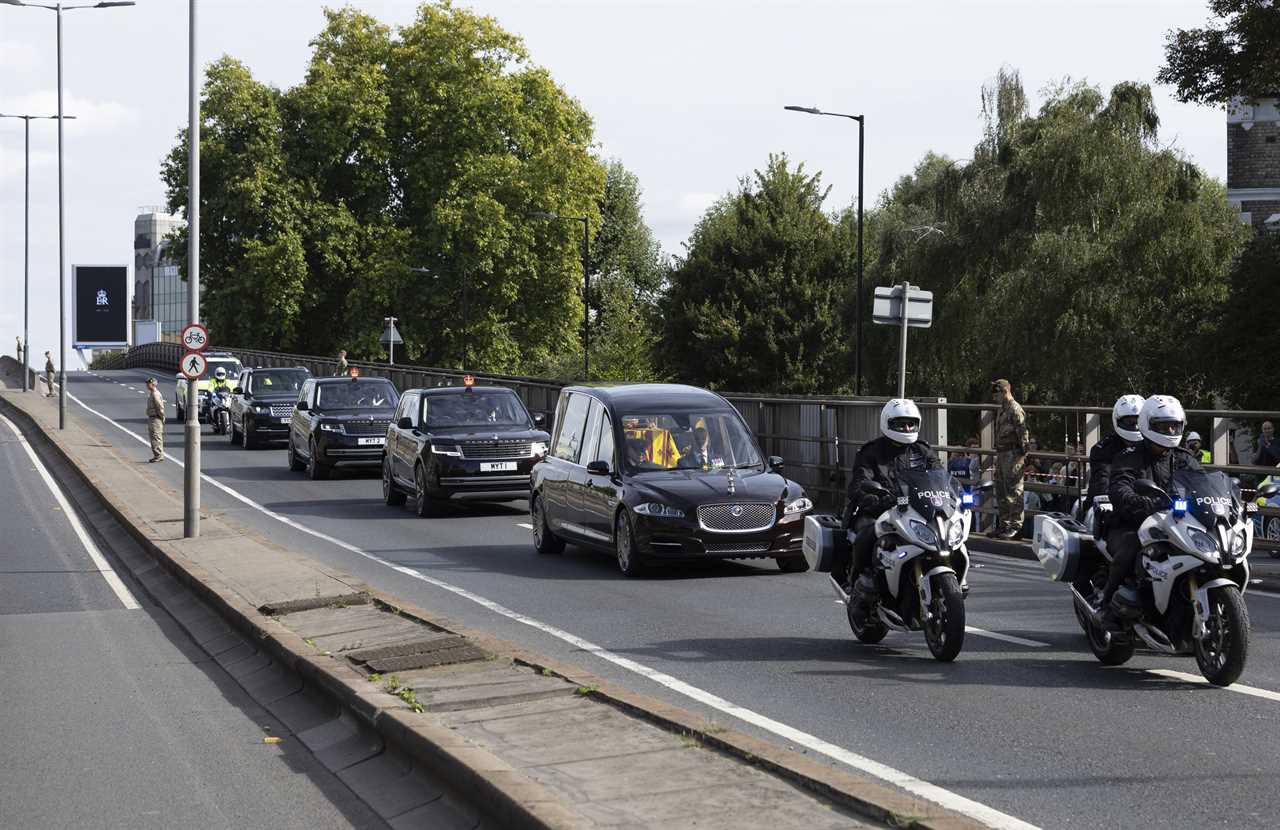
column 1242, row 339
column 1238, row 53
column 756, row 303
column 1072, row 254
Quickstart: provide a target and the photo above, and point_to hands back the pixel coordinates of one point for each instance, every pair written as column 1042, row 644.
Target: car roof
column 456, row 390
column 348, row 379
column 655, row 396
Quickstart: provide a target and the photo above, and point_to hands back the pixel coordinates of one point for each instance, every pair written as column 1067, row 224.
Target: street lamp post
column 191, row 429
column 26, row 241
column 58, row 9
column 586, row 283
column 858, row 309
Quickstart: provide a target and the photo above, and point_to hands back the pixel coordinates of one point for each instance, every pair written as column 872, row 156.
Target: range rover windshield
column 482, row 408
column 695, row 440
column 356, row 394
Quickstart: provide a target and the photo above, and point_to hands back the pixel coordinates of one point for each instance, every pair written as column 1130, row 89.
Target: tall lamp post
column 858, row 309
column 58, row 9
column 191, row 429
column 26, row 240
column 586, row 282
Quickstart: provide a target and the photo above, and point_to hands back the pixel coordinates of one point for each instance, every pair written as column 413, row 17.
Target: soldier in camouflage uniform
column 1011, row 453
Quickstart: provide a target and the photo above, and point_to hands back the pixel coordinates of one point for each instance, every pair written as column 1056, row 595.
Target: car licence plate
column 371, row 442
column 285, row 420
column 497, row 466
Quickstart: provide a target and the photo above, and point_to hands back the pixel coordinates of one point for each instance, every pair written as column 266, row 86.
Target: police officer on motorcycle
column 1124, row 418
column 1160, row 423
column 898, row 448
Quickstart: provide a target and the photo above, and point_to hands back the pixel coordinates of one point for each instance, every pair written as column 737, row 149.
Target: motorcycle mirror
column 986, row 485
column 1268, row 490
column 1147, row 487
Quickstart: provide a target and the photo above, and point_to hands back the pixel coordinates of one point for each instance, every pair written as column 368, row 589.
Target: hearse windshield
column 694, row 440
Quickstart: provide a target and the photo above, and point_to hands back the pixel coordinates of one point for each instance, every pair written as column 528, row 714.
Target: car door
column 556, row 488
column 238, row 402
column 579, row 479
column 300, row 426
column 599, row 496
column 403, row 453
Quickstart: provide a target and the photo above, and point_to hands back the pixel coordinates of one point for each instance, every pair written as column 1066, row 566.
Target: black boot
column 863, row 596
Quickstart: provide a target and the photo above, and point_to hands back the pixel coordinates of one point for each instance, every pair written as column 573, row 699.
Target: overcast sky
column 688, row 93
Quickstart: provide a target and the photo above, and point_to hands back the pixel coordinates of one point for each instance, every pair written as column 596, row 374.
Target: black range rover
column 460, row 443
column 659, row 471
column 340, row 422
column 262, row 404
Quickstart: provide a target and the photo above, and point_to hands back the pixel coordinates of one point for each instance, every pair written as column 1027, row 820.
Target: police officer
column 1124, row 418
column 1012, row 444
column 1157, row 457
column 898, row 448
column 1193, row 444
column 155, row 420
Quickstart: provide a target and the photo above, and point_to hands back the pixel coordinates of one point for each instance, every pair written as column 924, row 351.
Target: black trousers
column 1123, row 545
column 851, row 562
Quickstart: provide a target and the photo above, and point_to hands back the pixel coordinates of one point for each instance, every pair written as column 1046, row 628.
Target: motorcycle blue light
column 1179, row 507
column 967, row 499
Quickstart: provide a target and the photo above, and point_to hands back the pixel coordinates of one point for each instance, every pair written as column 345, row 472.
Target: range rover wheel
column 295, row 463
column 392, row 495
column 544, row 541
column 427, row 507
column 316, row 469
column 235, row 434
column 624, row 545
column 246, row 437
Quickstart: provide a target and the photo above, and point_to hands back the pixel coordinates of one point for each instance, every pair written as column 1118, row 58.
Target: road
column 1026, row 723
column 113, row 718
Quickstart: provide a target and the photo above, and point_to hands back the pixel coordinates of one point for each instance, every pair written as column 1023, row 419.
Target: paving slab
column 448, row 700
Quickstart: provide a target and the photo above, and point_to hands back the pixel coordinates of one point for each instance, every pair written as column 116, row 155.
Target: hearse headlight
column 800, row 505
column 663, row 511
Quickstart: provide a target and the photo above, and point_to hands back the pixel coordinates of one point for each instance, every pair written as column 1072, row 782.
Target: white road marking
column 1257, row 593
column 930, row 792
column 524, row 525
column 1007, row 638
column 113, row 579
column 1239, row 688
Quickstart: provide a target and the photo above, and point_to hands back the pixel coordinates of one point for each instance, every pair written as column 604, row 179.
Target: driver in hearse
column 898, row 448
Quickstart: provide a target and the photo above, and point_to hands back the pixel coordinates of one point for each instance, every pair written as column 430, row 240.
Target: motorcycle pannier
column 1057, row 542
column 823, row 536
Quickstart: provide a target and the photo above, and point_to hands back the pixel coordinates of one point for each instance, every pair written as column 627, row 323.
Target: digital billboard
column 99, row 306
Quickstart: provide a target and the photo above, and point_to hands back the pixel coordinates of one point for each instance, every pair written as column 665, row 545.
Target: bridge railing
column 817, row 436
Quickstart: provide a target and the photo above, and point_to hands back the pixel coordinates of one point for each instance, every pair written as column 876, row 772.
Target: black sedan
column 340, row 422
column 460, row 443
column 663, row 472
column 262, row 405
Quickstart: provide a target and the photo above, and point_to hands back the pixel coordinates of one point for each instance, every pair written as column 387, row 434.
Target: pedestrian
column 1194, row 445
column 48, row 374
column 155, row 419
column 1268, row 450
column 342, row 362
column 1012, row 444
column 19, row 338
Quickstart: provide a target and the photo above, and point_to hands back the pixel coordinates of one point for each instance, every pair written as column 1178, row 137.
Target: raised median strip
column 451, row 721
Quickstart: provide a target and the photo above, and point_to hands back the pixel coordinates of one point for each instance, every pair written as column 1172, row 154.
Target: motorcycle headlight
column 1203, row 541
column 955, row 533
column 800, row 505
column 663, row 511
column 1238, row 543
column 538, row 448
column 331, row 427
column 444, row 449
column 924, row 534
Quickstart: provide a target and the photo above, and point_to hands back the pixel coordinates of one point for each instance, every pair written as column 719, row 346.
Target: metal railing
column 816, row 435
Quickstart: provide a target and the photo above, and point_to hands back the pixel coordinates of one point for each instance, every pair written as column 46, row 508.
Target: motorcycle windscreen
column 931, row 492
column 1209, row 495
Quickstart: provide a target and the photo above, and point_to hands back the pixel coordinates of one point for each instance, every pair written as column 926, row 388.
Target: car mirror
column 404, row 423
column 1269, row 490
column 598, row 468
column 775, row 463
column 302, row 406
column 539, row 420
column 237, row 391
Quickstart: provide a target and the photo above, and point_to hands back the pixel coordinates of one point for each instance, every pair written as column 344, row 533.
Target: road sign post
column 907, row 306
column 195, row 337
column 390, row 338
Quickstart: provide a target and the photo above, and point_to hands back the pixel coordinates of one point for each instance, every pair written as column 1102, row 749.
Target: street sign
column 195, row 337
column 391, row 337
column 887, row 307
column 193, row 365
column 100, row 306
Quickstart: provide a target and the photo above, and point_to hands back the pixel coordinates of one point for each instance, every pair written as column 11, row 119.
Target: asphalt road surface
column 1026, row 722
column 112, row 717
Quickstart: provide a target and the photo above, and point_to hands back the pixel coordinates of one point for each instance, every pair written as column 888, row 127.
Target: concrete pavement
column 1030, row 729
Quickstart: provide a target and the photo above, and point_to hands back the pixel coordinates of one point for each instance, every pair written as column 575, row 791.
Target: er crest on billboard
column 100, row 306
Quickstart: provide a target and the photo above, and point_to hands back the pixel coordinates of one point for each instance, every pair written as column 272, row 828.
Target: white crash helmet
column 1192, row 436
column 900, row 421
column 1162, row 420
column 220, row 373
column 1128, row 406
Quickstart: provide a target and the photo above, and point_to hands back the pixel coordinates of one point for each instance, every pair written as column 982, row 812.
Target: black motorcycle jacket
column 1100, row 459
column 881, row 459
column 1137, row 462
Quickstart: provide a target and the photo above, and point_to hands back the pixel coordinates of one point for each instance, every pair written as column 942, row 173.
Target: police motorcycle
column 220, row 410
column 1193, row 573
column 920, row 560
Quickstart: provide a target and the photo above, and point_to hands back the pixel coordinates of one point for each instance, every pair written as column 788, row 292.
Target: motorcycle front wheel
column 870, row 630
column 944, row 630
column 1222, row 652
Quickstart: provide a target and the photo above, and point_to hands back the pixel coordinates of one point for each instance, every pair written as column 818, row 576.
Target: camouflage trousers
column 155, row 430
column 1009, row 489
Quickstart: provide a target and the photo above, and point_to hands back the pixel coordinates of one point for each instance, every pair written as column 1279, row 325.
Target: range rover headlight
column 261, row 409
column 800, row 505
column 328, row 427
column 538, row 449
column 663, row 511
column 445, row 449
column 924, row 534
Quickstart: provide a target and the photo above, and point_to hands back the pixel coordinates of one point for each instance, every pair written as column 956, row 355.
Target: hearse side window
column 604, row 451
column 592, row 435
column 572, row 425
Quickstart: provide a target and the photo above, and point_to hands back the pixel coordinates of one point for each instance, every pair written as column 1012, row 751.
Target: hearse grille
column 743, row 517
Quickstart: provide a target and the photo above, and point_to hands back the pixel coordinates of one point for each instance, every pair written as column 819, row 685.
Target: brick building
column 1253, row 160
